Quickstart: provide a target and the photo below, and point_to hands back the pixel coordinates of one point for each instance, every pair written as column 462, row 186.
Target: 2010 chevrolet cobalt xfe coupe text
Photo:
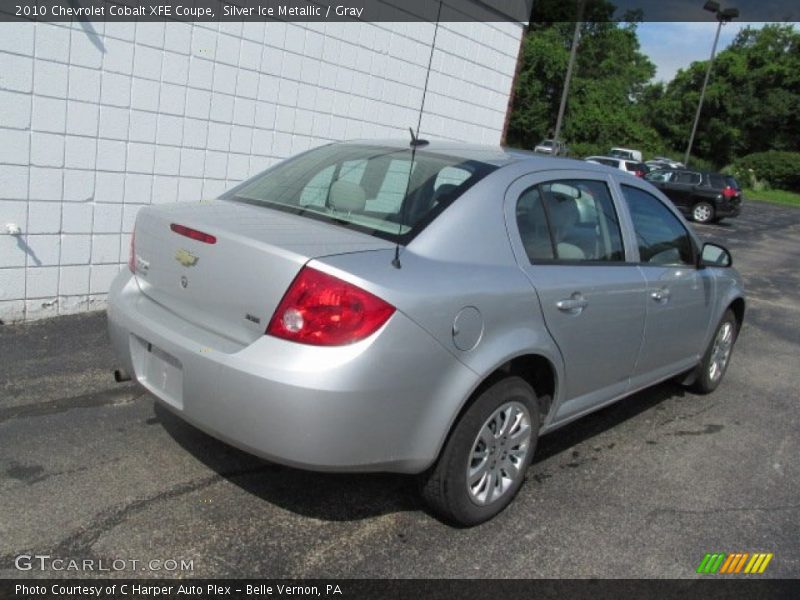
column 431, row 309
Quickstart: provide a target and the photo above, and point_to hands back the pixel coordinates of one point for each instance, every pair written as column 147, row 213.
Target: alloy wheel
column 702, row 213
column 499, row 453
column 721, row 351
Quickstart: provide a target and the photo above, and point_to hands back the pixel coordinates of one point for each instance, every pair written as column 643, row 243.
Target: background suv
column 706, row 197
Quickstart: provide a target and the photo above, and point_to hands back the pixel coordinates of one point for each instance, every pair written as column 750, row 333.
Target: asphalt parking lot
column 90, row 469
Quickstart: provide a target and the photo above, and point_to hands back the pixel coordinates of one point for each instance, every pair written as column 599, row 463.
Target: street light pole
column 570, row 65
column 723, row 16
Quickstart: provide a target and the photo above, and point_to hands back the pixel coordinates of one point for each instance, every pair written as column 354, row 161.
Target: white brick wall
column 100, row 119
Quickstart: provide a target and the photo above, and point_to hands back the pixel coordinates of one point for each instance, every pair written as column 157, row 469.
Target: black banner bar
column 390, row 10
column 265, row 10
column 710, row 588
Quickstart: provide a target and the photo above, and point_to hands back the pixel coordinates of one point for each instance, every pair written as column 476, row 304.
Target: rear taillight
column 199, row 236
column 729, row 192
column 639, row 173
column 132, row 253
column 322, row 310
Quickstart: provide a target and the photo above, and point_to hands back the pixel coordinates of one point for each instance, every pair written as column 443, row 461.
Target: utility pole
column 723, row 16
column 572, row 53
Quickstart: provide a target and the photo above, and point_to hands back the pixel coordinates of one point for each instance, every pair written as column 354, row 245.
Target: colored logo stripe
column 711, row 563
column 734, row 563
column 758, row 563
column 722, row 563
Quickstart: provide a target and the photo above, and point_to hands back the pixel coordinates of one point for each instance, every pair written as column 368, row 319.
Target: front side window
column 661, row 237
column 662, row 176
column 373, row 189
column 569, row 220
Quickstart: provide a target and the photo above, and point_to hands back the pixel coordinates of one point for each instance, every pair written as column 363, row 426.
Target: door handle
column 574, row 304
column 661, row 295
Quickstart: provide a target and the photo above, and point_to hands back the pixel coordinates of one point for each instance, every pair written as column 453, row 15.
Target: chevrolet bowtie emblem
column 186, row 258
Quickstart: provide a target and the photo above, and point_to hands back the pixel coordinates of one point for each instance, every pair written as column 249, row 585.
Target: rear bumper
column 728, row 209
column 383, row 404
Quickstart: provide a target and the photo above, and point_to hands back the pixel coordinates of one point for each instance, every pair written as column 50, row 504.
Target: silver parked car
column 552, row 147
column 352, row 309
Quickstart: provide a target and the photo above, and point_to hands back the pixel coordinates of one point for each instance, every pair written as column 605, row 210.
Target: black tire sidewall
column 703, row 383
column 454, row 459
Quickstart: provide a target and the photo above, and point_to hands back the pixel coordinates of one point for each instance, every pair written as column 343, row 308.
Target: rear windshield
column 372, row 189
column 719, row 181
column 636, row 166
column 604, row 161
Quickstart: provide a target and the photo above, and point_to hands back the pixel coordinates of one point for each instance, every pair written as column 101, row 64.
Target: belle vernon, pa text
column 168, row 591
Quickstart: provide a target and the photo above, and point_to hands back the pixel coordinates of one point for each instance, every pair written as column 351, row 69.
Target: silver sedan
column 428, row 309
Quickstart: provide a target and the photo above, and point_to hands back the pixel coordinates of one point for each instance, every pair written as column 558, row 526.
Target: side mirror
column 714, row 255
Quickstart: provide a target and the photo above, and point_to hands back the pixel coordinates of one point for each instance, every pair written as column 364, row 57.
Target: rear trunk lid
column 233, row 285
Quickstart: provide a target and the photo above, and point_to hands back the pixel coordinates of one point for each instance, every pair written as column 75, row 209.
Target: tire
column 717, row 357
column 703, row 212
column 498, row 465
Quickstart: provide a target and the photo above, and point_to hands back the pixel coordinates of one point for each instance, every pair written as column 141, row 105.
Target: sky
column 673, row 46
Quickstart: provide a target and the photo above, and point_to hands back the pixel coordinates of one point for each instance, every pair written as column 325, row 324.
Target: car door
column 679, row 295
column 568, row 241
column 681, row 189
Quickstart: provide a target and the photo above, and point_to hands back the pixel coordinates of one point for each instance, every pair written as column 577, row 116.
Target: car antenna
column 415, row 143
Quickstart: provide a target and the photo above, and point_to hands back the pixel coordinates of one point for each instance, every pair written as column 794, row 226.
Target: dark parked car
column 705, row 197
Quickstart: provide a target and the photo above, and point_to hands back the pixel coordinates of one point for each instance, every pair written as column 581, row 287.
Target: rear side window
column 661, row 237
column 688, row 177
column 716, row 181
column 569, row 220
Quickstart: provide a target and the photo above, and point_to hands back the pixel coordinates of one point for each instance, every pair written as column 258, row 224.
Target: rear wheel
column 715, row 361
column 484, row 461
column 703, row 212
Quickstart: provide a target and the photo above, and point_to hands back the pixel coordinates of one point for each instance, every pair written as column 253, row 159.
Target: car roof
column 499, row 156
column 690, row 170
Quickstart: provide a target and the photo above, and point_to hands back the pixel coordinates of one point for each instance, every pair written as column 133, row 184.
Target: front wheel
column 715, row 360
column 703, row 212
column 484, row 461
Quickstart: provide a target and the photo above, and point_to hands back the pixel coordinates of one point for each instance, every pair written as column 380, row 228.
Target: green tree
column 752, row 102
column 610, row 78
column 538, row 86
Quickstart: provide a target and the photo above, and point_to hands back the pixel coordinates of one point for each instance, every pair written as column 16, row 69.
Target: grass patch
column 776, row 196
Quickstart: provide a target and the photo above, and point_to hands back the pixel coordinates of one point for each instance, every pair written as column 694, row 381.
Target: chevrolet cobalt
column 428, row 309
